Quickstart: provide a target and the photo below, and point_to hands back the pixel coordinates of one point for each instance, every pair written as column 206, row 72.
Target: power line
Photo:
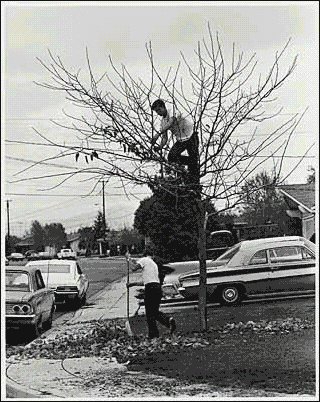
column 73, row 195
column 41, row 163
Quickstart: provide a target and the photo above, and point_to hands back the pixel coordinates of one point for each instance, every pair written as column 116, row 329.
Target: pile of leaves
column 109, row 339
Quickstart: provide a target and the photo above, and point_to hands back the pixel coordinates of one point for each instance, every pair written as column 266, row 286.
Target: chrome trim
column 20, row 316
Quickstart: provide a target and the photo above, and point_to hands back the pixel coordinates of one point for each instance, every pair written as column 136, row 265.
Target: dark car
column 218, row 242
column 32, row 255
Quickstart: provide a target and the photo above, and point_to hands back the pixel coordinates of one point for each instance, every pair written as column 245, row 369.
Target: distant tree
column 131, row 239
column 100, row 227
column 264, row 204
column 10, row 242
column 171, row 224
column 55, row 235
column 38, row 233
column 87, row 239
column 312, row 176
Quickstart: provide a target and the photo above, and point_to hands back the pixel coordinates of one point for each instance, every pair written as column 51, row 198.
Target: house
column 73, row 240
column 24, row 245
column 300, row 199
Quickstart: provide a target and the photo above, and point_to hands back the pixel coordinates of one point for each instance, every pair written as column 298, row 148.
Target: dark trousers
column 152, row 299
column 192, row 147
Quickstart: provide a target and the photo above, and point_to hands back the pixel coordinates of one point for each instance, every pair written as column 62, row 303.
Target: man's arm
column 135, row 267
column 164, row 138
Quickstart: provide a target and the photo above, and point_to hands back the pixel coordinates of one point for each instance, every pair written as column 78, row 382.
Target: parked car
column 32, row 255
column 251, row 268
column 218, row 242
column 15, row 257
column 45, row 255
column 29, row 304
column 65, row 277
column 67, row 253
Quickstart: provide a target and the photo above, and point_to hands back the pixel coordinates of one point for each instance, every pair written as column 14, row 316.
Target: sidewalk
column 44, row 378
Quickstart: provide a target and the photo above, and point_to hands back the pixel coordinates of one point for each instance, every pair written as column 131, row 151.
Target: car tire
column 48, row 324
column 34, row 330
column 230, row 295
column 76, row 303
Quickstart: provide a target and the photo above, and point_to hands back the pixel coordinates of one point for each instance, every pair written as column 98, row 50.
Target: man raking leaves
column 152, row 295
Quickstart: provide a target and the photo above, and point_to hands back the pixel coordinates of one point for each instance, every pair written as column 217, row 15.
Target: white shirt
column 150, row 271
column 180, row 127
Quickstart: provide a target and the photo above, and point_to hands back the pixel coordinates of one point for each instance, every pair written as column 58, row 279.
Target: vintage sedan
column 251, row 268
column 65, row 277
column 29, row 304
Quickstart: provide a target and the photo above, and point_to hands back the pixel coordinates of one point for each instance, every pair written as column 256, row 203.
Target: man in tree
column 186, row 139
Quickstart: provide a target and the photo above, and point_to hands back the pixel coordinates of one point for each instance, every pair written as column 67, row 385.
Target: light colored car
column 29, row 304
column 15, row 257
column 251, row 268
column 67, row 253
column 65, row 277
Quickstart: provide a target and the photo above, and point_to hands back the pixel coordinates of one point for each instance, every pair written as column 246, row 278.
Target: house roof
column 73, row 236
column 27, row 241
column 299, row 194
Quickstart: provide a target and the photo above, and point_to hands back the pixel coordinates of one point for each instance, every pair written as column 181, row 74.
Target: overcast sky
column 121, row 29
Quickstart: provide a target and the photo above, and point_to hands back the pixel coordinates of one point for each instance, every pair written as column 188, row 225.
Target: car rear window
column 229, row 254
column 286, row 253
column 55, row 269
column 17, row 281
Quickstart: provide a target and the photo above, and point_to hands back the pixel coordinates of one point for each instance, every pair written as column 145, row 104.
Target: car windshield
column 16, row 280
column 55, row 268
column 226, row 257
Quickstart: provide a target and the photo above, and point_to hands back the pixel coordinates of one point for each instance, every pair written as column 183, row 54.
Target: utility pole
column 104, row 208
column 8, row 219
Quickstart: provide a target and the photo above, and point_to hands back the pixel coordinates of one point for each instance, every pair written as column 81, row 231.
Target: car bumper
column 16, row 321
column 192, row 292
column 62, row 297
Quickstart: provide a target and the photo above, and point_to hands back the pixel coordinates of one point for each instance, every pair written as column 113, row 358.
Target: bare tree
column 117, row 127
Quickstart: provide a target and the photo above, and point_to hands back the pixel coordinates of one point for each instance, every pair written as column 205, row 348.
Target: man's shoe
column 172, row 325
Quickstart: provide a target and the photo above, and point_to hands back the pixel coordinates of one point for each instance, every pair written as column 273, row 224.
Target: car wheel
column 48, row 324
column 76, row 303
column 230, row 295
column 35, row 330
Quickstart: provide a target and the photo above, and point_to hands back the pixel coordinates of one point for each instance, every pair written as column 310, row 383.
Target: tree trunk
column 202, row 306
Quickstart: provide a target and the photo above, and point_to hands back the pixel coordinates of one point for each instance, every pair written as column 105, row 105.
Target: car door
column 82, row 281
column 256, row 278
column 44, row 296
column 292, row 269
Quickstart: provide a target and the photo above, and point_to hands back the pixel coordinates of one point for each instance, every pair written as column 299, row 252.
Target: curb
column 14, row 390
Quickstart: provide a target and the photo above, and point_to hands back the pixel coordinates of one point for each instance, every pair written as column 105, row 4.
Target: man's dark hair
column 157, row 103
